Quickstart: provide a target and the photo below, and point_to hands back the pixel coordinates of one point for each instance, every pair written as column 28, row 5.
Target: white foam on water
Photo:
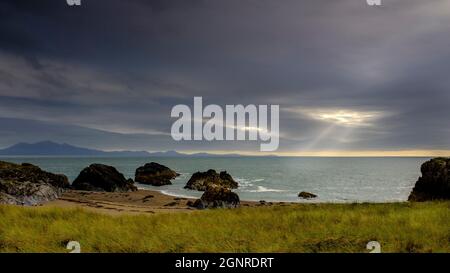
column 246, row 183
column 264, row 189
column 178, row 194
column 258, row 180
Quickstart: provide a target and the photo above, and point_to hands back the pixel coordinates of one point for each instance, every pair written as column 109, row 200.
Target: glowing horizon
column 402, row 153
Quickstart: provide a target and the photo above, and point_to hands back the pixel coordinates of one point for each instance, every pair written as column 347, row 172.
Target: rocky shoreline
column 136, row 202
column 26, row 184
column 434, row 184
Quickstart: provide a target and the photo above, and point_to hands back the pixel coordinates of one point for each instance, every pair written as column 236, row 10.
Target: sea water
column 271, row 178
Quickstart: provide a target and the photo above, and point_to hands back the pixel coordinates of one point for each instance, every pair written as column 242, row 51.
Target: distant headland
column 50, row 148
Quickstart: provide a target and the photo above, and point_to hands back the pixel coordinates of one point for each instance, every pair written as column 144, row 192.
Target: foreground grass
column 402, row 227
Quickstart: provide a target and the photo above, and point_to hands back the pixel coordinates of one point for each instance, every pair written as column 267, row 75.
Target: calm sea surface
column 272, row 179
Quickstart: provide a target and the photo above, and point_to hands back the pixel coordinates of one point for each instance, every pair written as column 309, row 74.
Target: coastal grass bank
column 398, row 227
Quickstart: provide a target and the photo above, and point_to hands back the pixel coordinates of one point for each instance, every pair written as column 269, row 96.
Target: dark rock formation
column 435, row 181
column 99, row 177
column 155, row 174
column 27, row 184
column 201, row 180
column 217, row 197
column 306, row 195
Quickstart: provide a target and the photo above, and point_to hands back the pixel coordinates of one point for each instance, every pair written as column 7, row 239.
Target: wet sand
column 138, row 202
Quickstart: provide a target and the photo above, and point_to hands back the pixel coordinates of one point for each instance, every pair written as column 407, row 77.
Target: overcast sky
column 348, row 77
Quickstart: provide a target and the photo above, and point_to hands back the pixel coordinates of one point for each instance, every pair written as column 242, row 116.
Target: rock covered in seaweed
column 434, row 184
column 306, row 195
column 155, row 174
column 217, row 197
column 99, row 177
column 27, row 184
column 201, row 180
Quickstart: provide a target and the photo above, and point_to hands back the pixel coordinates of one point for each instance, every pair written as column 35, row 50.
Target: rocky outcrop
column 27, row 184
column 434, row 184
column 99, row 177
column 217, row 197
column 155, row 174
column 201, row 180
column 306, row 195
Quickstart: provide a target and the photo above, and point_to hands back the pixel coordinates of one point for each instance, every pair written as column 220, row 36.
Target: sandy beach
column 138, row 202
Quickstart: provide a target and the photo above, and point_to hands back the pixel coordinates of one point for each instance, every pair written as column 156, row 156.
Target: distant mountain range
column 49, row 148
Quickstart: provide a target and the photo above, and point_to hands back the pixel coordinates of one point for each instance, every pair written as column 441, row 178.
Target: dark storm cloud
column 121, row 65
